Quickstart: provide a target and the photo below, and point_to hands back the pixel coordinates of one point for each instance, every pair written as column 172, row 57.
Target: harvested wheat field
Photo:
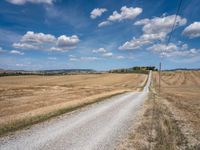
column 29, row 99
column 170, row 120
column 180, row 92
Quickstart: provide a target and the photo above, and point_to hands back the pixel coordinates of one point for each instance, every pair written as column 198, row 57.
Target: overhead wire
column 169, row 39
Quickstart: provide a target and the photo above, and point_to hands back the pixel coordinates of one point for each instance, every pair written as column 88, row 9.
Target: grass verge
column 141, row 87
column 20, row 124
column 155, row 128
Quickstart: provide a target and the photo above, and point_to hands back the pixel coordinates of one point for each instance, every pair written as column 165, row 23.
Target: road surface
column 99, row 126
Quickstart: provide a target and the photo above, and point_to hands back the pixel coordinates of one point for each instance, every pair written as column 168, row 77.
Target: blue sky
column 98, row 34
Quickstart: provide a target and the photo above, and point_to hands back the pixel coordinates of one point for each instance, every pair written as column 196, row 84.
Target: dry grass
column 181, row 90
column 29, row 99
column 184, row 94
column 156, row 129
column 169, row 121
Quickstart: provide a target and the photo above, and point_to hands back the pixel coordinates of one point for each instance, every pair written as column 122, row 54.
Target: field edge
column 27, row 122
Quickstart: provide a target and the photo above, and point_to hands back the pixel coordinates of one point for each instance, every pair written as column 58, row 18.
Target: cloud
column 87, row 58
column 193, row 30
column 109, row 54
column 22, row 2
column 16, row 52
column 56, row 49
column 160, row 24
column 33, row 40
column 67, row 42
column 127, row 13
column 142, row 40
column 173, row 50
column 100, row 50
column 155, row 29
column 49, row 42
column 103, row 52
column 24, row 46
column 32, row 37
column 104, row 23
column 97, row 12
column 20, row 65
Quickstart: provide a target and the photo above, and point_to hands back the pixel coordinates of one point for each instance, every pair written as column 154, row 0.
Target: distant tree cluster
column 136, row 69
column 153, row 68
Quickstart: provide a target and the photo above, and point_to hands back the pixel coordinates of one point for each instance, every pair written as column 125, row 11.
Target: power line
column 173, row 27
column 168, row 41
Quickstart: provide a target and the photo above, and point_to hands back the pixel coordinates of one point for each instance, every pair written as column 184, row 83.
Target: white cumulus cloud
column 32, row 37
column 41, row 41
column 144, row 39
column 100, row 50
column 103, row 52
column 24, row 46
column 155, row 29
column 193, row 30
column 16, row 52
column 173, row 50
column 67, row 42
column 97, row 12
column 126, row 13
column 161, row 24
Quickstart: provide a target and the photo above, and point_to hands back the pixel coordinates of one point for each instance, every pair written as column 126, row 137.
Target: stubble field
column 182, row 90
column 29, row 99
column 171, row 119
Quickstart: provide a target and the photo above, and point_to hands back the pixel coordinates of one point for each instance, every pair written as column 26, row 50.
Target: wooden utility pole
column 159, row 78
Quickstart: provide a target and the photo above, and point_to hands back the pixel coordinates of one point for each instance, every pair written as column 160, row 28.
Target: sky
column 98, row 34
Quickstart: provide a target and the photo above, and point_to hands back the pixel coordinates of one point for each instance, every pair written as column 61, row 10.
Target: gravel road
column 96, row 127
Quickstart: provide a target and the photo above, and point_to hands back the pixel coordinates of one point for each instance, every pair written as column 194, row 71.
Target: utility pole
column 159, row 84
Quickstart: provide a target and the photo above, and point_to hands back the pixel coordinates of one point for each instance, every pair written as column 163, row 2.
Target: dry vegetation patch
column 169, row 121
column 183, row 94
column 29, row 99
column 155, row 129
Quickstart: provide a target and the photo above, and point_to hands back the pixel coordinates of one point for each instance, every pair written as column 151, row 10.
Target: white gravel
column 96, row 127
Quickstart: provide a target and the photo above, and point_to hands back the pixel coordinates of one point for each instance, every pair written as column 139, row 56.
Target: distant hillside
column 45, row 72
column 183, row 69
column 66, row 71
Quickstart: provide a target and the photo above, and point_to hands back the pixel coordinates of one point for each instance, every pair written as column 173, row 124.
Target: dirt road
column 99, row 126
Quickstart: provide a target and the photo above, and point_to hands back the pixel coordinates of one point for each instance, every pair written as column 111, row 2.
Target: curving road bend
column 96, row 127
